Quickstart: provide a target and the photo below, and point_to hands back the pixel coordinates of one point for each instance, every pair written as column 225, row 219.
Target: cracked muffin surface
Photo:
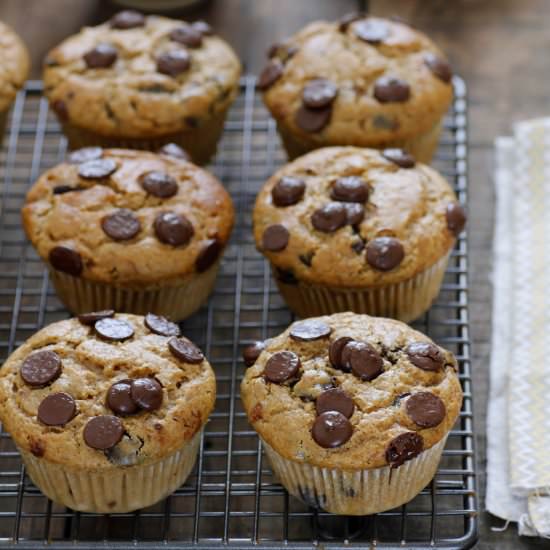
column 399, row 393
column 14, row 66
column 90, row 362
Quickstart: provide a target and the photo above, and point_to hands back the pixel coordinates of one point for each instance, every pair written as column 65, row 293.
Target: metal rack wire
column 231, row 497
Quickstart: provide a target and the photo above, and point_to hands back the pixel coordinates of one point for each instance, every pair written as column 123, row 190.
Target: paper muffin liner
column 404, row 301
column 356, row 492
column 80, row 295
column 118, row 489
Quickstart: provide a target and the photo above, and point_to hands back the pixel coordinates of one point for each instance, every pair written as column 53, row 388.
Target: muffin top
column 352, row 391
column 138, row 75
column 359, row 81
column 14, row 66
column 351, row 217
column 106, row 390
column 128, row 217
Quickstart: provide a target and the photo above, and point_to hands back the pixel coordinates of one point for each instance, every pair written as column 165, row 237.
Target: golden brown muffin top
column 360, row 82
column 351, row 217
column 62, row 378
column 352, row 392
column 128, row 217
column 156, row 77
column 14, row 67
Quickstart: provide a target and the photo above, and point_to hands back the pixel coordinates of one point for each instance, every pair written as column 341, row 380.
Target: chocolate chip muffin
column 367, row 404
column 360, row 81
column 107, row 409
column 141, row 81
column 129, row 230
column 350, row 229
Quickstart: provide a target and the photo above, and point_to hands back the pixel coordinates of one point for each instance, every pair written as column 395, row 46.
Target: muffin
column 360, row 81
column 129, row 230
column 106, row 410
column 367, row 404
column 14, row 69
column 142, row 81
column 357, row 229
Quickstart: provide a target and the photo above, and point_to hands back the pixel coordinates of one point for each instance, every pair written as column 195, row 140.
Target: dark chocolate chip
column 97, row 169
column 288, row 191
column 282, row 366
column 319, row 93
column 161, row 325
column 94, row 316
column 61, row 109
column 252, row 352
column 335, row 352
column 173, row 62
column 159, row 184
column 331, row 429
column 345, row 21
column 103, row 432
column 385, row 253
column 426, row 409
column 358, row 246
column 307, row 258
column 56, row 409
column 330, row 217
column 41, row 368
column 62, row 189
column 399, row 157
column 208, row 255
column 456, row 218
column 114, row 330
column 270, row 74
column 173, row 150
column 312, row 120
column 335, row 399
column 203, row 27
column 371, row 31
column 84, row 155
column 121, row 225
column 173, row 229
column 350, row 189
column 439, row 67
column 66, row 260
column 127, row 19
column 355, row 213
column 275, row 238
column 390, row 89
column 404, row 447
column 146, row 393
column 101, row 57
column 285, row 276
column 363, row 360
column 426, row 356
column 185, row 350
column 187, row 35
column 119, row 398
column 309, row 330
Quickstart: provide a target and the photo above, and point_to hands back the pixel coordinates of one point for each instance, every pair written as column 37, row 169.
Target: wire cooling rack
column 231, row 498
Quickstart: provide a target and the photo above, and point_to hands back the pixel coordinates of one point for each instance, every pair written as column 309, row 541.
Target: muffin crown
column 352, row 391
column 14, row 67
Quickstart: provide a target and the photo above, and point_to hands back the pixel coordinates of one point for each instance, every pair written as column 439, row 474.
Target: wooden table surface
column 499, row 46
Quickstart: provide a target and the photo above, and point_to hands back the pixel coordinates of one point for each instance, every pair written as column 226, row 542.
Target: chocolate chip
column 185, row 350
column 203, row 27
column 350, row 189
column 103, row 432
column 345, row 21
column 275, row 238
column 312, row 120
column 84, row 155
column 358, row 246
column 161, row 325
column 426, row 409
column 147, row 393
column 456, row 218
column 331, row 429
column 371, row 31
column 114, row 330
column 283, row 50
column 122, row 225
column 309, row 330
column 119, row 398
column 439, row 67
column 173, row 229
column 335, row 352
column 399, row 157
column 363, row 360
column 173, row 150
column 41, row 368
column 307, row 258
column 94, row 316
column 319, row 93
column 330, row 217
column 97, row 169
column 62, row 189
column 56, row 409
column 61, row 109
column 288, row 191
column 335, row 399
column 173, row 62
column 355, row 213
column 385, row 253
column 390, row 89
column 159, row 184
column 208, row 255
column 282, row 366
column 270, row 74
column 101, row 57
column 404, row 447
column 66, row 260
column 252, row 352
column 426, row 356
column 285, row 276
column 127, row 19
column 187, row 35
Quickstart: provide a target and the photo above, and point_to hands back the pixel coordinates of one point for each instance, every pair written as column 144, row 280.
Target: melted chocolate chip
column 355, row 213
column 399, row 157
column 174, row 62
column 335, row 399
column 335, row 352
column 330, row 217
column 94, row 316
column 40, row 368
column 350, row 189
column 282, row 366
column 101, row 57
column 62, row 189
column 56, row 409
column 84, row 155
column 439, row 67
column 345, row 21
column 146, row 393
column 173, row 150
column 363, row 360
column 119, row 398
column 456, row 218
column 426, row 356
column 331, row 429
column 312, row 120
column 288, row 191
column 159, row 184
column 185, row 350
column 161, row 325
column 208, row 255
column 319, row 93
column 173, row 229
column 66, row 260
column 187, row 35
column 389, row 89
column 103, row 432
column 127, row 19
column 404, row 447
column 252, row 352
column 426, row 409
column 203, row 27
column 270, row 74
column 114, row 330
column 385, row 253
column 275, row 238
column 308, row 330
column 371, row 31
column 97, row 169
column 122, row 225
